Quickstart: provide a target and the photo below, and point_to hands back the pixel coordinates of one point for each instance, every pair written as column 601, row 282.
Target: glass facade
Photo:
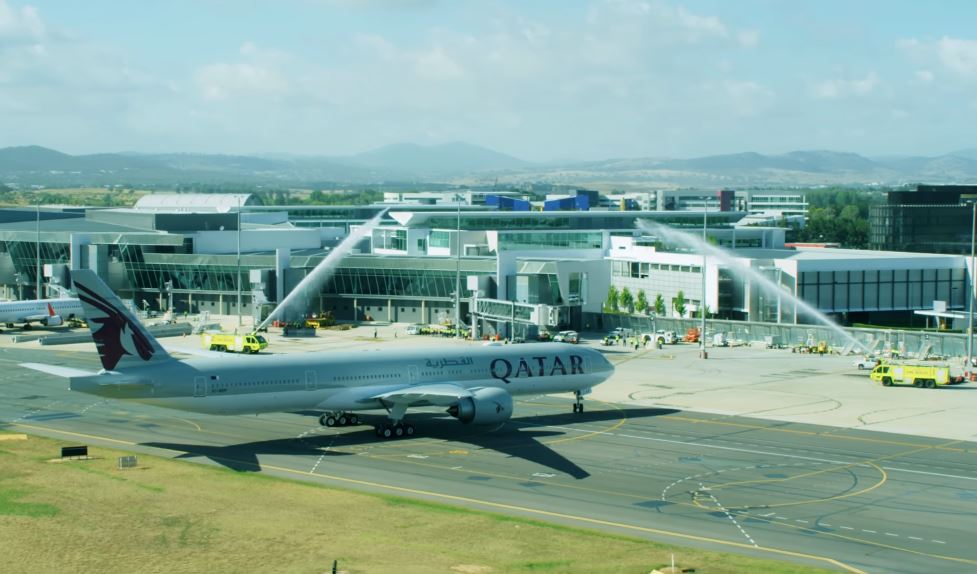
column 440, row 239
column 392, row 283
column 882, row 290
column 214, row 274
column 639, row 270
column 489, row 222
column 392, row 239
column 24, row 256
column 572, row 240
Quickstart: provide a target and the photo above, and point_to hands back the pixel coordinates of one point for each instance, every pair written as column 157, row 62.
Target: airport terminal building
column 508, row 271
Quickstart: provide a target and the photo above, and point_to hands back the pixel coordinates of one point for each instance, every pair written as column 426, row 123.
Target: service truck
column 250, row 343
column 926, row 376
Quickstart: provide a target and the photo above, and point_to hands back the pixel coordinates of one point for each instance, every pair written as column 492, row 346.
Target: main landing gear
column 578, row 405
column 394, row 430
column 395, row 427
column 339, row 419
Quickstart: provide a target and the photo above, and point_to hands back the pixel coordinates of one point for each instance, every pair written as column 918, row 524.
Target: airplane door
column 412, row 374
column 310, row 381
column 200, row 386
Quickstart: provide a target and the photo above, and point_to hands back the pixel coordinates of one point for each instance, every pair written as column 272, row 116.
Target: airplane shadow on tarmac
column 524, row 438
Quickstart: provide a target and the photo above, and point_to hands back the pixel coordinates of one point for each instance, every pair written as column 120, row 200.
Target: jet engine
column 53, row 320
column 484, row 407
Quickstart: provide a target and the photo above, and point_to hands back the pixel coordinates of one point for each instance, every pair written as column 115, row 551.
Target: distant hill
column 450, row 158
column 413, row 164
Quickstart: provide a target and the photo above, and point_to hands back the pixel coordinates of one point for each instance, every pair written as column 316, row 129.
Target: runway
column 852, row 500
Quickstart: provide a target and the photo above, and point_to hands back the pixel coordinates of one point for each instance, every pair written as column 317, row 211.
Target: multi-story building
column 929, row 219
column 508, row 271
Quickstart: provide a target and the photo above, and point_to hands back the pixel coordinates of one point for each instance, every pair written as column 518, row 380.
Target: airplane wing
column 439, row 394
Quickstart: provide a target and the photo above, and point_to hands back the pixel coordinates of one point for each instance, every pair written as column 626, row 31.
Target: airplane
column 475, row 384
column 50, row 312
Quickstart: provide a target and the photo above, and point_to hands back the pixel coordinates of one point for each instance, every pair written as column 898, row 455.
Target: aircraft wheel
column 409, row 430
column 399, row 430
column 378, row 429
column 386, row 432
column 353, row 420
column 330, row 421
column 341, row 421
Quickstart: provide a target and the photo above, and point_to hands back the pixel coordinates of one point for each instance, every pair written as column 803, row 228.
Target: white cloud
column 22, row 24
column 959, row 55
column 748, row 98
column 436, row 63
column 258, row 74
column 925, row 76
column 838, row 87
column 704, row 25
column 748, row 38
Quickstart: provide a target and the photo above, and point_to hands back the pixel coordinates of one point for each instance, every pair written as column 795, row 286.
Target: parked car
column 414, row 329
column 866, row 363
column 567, row 337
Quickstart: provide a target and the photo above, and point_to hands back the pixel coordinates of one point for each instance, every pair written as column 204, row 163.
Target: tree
column 679, row 303
column 659, row 305
column 611, row 302
column 627, row 300
column 641, row 302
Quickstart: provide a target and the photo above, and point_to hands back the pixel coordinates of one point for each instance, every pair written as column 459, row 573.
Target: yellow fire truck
column 250, row 343
column 926, row 376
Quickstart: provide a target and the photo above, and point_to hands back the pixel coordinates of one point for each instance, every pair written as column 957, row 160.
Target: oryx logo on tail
column 117, row 334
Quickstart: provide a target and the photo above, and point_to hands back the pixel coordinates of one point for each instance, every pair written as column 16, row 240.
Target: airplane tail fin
column 122, row 341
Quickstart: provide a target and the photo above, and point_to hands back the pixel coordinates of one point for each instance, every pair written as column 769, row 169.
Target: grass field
column 172, row 516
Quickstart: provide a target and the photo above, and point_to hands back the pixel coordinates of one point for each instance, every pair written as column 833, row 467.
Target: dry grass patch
column 174, row 517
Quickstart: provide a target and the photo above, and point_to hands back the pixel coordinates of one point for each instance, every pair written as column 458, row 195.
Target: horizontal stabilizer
column 66, row 372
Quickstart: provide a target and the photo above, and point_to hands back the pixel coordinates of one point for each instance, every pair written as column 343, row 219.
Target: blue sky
column 540, row 80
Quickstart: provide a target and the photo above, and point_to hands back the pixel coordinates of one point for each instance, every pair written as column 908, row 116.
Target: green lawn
column 173, row 516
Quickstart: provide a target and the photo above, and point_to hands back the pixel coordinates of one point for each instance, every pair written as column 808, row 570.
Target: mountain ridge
column 465, row 162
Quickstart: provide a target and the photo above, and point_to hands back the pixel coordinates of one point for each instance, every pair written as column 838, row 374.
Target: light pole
column 37, row 249
column 702, row 304
column 970, row 300
column 239, row 321
column 458, row 271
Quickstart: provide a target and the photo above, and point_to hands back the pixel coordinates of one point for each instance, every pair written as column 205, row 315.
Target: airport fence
column 911, row 344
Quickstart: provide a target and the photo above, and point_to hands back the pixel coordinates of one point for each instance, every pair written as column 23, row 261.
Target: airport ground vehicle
column 719, row 340
column 415, row 329
column 666, row 337
column 250, row 343
column 926, row 376
column 567, row 337
column 867, row 363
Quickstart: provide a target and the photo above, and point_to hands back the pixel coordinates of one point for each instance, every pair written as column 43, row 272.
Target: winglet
column 121, row 339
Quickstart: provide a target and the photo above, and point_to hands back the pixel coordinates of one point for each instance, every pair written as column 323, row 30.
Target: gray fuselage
column 335, row 381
